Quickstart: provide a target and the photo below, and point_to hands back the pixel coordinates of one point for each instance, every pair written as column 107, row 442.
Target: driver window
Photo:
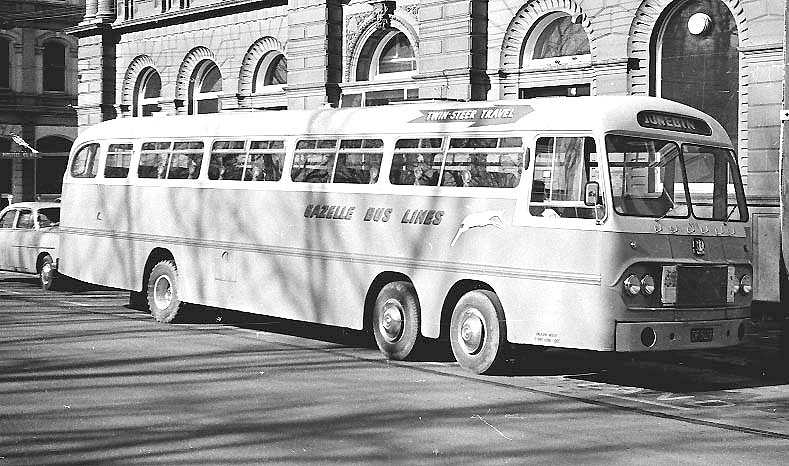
column 562, row 167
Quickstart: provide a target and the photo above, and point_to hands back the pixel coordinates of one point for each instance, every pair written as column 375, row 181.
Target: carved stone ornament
column 383, row 10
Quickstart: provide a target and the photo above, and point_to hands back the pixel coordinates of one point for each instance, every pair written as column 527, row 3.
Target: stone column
column 106, row 10
column 314, row 53
column 91, row 8
column 96, row 67
column 453, row 49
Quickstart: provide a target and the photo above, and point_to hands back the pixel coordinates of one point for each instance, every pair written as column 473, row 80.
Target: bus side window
column 484, row 162
column 154, row 158
column 118, row 159
column 313, row 161
column 185, row 160
column 416, row 162
column 562, row 167
column 227, row 160
column 359, row 161
column 265, row 161
column 85, row 163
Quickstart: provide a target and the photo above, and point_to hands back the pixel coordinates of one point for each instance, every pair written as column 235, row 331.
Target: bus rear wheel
column 396, row 320
column 478, row 333
column 47, row 273
column 163, row 299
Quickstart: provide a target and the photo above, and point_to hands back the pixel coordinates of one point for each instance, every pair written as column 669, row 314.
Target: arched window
column 147, row 92
column 386, row 55
column 557, row 39
column 204, row 88
column 272, row 70
column 698, row 60
column 5, row 63
column 54, row 61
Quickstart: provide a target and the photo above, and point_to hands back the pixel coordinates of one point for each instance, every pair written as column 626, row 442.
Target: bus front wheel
column 396, row 320
column 478, row 333
column 163, row 299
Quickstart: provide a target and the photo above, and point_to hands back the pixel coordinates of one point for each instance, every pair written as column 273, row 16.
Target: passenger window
column 359, row 161
column 265, row 161
column 185, row 160
column 484, row 162
column 562, row 166
column 313, row 161
column 118, row 159
column 7, row 221
column 416, row 162
column 25, row 220
column 85, row 163
column 154, row 158
column 227, row 160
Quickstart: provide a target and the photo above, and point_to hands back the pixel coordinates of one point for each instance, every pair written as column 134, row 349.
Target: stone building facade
column 38, row 95
column 141, row 58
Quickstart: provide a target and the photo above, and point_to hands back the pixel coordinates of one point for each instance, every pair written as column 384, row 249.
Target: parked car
column 29, row 239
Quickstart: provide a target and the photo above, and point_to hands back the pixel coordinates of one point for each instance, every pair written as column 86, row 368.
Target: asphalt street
column 87, row 380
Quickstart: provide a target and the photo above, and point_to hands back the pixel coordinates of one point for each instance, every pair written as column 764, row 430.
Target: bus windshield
column 648, row 179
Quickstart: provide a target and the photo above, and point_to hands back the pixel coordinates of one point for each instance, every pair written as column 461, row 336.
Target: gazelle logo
column 698, row 246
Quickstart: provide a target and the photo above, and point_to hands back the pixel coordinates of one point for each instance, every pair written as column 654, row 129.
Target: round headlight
column 746, row 284
column 647, row 285
column 632, row 285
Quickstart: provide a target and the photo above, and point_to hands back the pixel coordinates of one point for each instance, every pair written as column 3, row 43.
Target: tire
column 478, row 332
column 47, row 274
column 396, row 320
column 163, row 300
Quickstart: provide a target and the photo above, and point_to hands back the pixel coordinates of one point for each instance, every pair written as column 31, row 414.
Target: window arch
column 54, row 66
column 204, row 88
column 696, row 60
column 147, row 91
column 557, row 39
column 272, row 70
column 388, row 54
column 5, row 63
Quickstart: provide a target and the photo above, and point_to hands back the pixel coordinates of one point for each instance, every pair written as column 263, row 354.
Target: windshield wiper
column 728, row 216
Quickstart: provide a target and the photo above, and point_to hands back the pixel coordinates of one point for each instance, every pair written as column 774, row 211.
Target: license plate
column 698, row 335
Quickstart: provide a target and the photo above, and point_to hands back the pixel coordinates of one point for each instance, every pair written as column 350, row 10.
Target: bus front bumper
column 668, row 336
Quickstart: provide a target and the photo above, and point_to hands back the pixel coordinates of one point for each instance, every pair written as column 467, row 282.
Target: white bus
column 600, row 223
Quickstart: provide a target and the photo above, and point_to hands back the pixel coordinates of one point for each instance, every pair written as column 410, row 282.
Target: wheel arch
column 454, row 294
column 381, row 280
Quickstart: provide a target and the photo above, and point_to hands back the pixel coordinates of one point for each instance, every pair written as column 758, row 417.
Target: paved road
column 86, row 380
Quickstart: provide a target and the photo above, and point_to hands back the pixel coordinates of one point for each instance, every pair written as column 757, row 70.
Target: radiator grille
column 701, row 285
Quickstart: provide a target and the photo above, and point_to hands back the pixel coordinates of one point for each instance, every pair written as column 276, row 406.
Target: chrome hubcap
column 391, row 323
column 472, row 331
column 162, row 292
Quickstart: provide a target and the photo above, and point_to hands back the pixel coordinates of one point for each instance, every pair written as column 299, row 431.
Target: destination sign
column 479, row 116
column 673, row 122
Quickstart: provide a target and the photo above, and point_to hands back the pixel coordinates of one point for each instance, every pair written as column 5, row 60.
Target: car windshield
column 648, row 179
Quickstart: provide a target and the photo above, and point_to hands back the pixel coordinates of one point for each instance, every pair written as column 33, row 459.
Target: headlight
column 746, row 284
column 647, row 285
column 632, row 285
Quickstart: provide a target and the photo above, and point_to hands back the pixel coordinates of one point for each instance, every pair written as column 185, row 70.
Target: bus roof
column 598, row 113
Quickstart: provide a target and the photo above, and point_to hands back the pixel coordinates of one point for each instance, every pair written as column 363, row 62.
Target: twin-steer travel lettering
column 333, row 212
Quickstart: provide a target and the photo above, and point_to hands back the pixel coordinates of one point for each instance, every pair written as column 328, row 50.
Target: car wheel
column 47, row 273
column 163, row 297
